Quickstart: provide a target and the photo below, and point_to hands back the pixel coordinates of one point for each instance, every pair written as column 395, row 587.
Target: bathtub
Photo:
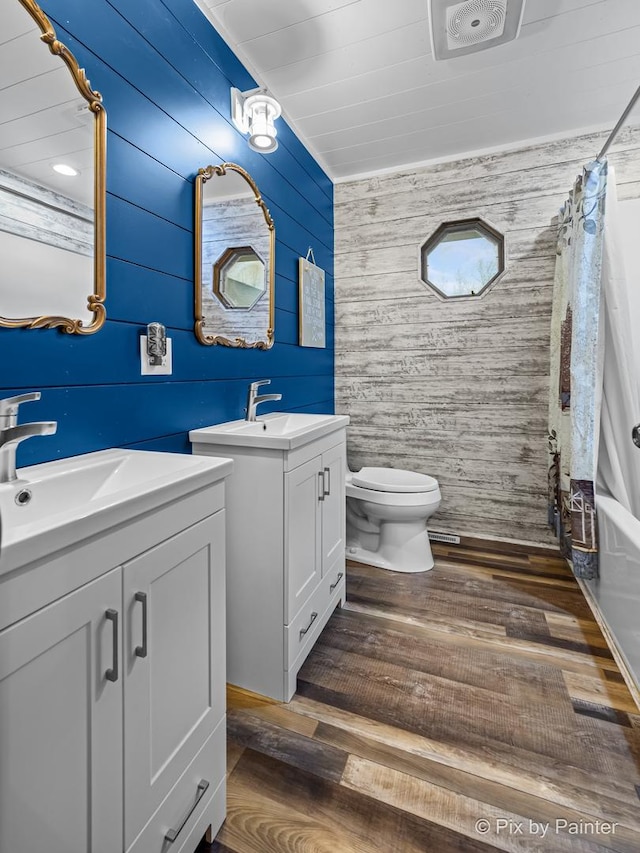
column 615, row 596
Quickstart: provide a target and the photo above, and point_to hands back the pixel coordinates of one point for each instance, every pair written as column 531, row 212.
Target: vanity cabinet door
column 61, row 731
column 174, row 660
column 303, row 534
column 333, row 507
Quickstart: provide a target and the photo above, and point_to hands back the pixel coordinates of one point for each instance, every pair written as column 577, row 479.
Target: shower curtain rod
column 621, row 121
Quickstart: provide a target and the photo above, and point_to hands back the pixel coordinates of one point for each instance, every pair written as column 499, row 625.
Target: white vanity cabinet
column 112, row 686
column 286, row 548
column 61, row 729
column 314, row 524
column 174, row 677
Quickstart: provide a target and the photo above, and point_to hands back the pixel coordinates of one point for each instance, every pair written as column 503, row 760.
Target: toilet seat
column 394, row 480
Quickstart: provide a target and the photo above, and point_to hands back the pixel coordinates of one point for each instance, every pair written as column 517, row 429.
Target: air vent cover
column 461, row 28
column 475, row 21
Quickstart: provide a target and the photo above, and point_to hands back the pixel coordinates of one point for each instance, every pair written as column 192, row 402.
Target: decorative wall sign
column 312, row 318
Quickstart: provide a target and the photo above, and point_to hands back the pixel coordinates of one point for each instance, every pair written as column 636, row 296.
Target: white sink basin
column 280, row 430
column 55, row 504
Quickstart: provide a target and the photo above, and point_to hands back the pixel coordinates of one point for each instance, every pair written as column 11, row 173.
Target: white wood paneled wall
column 38, row 213
column 458, row 389
column 232, row 224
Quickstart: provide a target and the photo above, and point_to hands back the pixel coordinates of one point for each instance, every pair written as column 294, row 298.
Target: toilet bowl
column 387, row 511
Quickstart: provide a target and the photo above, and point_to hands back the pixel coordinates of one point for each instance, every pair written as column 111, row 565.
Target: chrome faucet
column 12, row 433
column 253, row 400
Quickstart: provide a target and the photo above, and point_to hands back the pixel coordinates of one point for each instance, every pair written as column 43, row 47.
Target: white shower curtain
column 576, row 370
column 618, row 458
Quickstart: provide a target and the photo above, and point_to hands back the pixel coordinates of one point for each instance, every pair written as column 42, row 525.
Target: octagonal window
column 239, row 277
column 462, row 258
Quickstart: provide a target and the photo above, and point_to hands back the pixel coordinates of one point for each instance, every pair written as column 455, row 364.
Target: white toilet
column 387, row 511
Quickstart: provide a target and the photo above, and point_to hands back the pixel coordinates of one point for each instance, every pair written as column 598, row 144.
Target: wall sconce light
column 254, row 112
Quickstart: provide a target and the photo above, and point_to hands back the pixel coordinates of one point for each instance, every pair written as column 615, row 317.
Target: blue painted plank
column 140, row 180
column 145, row 239
column 93, row 418
column 178, row 443
column 323, row 407
column 136, row 177
column 136, row 118
column 287, row 282
column 286, row 327
column 199, row 27
column 113, row 356
column 163, row 32
column 290, row 232
column 287, row 265
column 135, row 294
column 140, row 237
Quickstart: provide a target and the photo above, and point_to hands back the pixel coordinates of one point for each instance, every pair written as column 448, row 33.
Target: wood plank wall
column 38, row 213
column 231, row 224
column 458, row 389
column 165, row 76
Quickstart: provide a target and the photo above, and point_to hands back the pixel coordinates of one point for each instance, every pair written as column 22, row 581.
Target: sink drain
column 23, row 497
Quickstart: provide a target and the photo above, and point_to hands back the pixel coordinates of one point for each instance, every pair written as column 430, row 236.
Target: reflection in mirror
column 234, row 260
column 463, row 258
column 239, row 278
column 52, row 180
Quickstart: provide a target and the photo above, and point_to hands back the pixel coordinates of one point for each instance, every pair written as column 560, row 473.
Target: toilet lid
column 393, row 480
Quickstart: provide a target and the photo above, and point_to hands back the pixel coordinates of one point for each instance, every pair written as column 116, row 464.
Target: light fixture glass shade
column 262, row 143
column 258, row 114
column 262, row 111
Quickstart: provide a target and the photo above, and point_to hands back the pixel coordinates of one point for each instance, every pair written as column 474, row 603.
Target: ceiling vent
column 461, row 28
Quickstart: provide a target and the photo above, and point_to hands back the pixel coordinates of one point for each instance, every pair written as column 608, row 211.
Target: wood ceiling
column 44, row 117
column 357, row 81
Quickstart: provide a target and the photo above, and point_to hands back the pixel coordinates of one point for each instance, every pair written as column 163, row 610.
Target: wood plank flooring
column 472, row 708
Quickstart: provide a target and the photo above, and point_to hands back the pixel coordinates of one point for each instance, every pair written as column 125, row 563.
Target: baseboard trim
column 509, row 546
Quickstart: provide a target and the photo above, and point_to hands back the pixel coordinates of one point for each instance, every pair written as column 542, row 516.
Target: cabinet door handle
column 112, row 674
column 338, row 579
column 172, row 834
column 327, row 482
column 303, row 631
column 322, row 490
column 141, row 651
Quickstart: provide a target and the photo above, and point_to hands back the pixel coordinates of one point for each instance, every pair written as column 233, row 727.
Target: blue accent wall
column 165, row 74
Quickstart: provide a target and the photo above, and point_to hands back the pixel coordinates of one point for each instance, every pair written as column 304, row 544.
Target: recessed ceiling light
column 63, row 169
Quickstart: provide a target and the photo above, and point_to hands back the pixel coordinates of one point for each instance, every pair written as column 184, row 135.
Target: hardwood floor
column 472, row 708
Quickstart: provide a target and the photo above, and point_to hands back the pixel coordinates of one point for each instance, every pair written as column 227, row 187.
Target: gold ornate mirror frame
column 202, row 177
column 95, row 302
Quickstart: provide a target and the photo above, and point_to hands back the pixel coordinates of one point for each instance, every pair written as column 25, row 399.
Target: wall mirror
column 462, row 258
column 234, row 260
column 52, row 180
